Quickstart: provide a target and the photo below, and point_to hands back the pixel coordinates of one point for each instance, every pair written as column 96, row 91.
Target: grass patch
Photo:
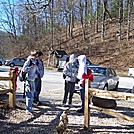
column 49, row 68
column 122, row 74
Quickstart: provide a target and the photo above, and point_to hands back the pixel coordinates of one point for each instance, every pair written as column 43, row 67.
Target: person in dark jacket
column 38, row 81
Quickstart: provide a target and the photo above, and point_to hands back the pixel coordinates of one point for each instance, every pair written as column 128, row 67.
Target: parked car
column 15, row 62
column 2, row 62
column 62, row 62
column 105, row 78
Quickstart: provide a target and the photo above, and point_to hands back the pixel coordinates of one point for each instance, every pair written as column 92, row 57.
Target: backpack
column 22, row 74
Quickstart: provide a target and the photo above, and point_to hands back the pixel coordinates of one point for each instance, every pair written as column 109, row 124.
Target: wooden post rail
column 112, row 113
column 111, row 94
column 86, row 106
column 12, row 87
column 4, row 91
column 90, row 92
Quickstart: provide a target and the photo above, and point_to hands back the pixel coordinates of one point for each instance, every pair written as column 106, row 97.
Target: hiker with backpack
column 31, row 70
column 38, row 82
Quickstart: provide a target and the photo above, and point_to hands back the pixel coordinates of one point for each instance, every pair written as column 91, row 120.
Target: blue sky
column 2, row 15
column 4, row 2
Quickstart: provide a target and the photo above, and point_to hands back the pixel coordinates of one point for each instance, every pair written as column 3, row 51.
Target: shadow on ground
column 46, row 118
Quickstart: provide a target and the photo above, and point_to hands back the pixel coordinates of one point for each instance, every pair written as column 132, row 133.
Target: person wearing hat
column 70, row 72
column 38, row 81
column 32, row 71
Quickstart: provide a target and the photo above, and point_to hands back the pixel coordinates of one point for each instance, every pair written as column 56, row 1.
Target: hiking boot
column 35, row 102
column 63, row 104
column 70, row 105
column 39, row 103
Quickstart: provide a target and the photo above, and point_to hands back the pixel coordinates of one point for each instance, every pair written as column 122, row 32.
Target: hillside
column 110, row 52
column 113, row 52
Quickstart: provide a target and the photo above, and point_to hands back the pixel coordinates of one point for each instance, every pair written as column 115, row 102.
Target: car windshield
column 11, row 59
column 99, row 71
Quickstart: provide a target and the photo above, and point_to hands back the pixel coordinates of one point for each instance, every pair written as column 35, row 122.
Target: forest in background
column 101, row 29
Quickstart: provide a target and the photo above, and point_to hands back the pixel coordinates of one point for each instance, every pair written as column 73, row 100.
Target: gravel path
column 46, row 117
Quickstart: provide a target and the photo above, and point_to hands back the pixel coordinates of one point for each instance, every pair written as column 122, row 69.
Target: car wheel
column 116, row 87
column 12, row 65
column 105, row 87
column 0, row 63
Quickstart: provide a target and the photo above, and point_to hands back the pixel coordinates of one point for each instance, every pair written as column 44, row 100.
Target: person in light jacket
column 69, row 72
column 32, row 70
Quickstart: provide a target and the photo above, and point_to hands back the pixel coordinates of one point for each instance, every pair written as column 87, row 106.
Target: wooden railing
column 12, row 78
column 90, row 92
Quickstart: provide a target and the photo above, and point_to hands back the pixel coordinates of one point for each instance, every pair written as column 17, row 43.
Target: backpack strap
column 37, row 62
column 30, row 64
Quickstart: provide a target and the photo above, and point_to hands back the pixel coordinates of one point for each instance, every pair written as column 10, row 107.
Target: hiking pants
column 68, row 89
column 37, row 89
column 29, row 89
column 82, row 95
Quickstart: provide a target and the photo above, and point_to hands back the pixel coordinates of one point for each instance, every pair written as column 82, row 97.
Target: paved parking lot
column 53, row 85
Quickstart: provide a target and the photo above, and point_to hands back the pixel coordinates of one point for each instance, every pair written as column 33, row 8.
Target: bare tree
column 105, row 10
column 82, row 19
column 130, row 5
column 91, row 27
column 97, row 14
column 9, row 23
column 120, row 18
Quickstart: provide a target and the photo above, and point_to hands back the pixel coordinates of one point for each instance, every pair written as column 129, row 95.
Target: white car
column 62, row 62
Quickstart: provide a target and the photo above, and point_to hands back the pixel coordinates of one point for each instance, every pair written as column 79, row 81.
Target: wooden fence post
column 86, row 105
column 12, row 85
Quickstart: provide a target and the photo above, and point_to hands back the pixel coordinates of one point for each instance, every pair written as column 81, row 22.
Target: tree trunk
column 71, row 24
column 103, row 24
column 97, row 10
column 86, row 12
column 130, row 5
column 120, row 18
column 105, row 10
column 91, row 28
column 82, row 20
column 52, row 33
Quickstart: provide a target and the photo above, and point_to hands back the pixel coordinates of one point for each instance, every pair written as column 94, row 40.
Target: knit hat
column 39, row 53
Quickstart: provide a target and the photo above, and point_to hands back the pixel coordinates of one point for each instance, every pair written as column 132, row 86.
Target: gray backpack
column 22, row 74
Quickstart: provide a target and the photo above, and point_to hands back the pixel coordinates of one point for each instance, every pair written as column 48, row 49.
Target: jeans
column 29, row 90
column 82, row 95
column 37, row 89
column 69, row 89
